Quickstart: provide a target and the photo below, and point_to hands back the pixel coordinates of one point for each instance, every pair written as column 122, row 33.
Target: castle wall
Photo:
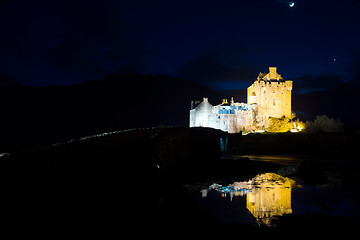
column 235, row 119
column 272, row 97
column 200, row 116
column 244, row 119
column 192, row 118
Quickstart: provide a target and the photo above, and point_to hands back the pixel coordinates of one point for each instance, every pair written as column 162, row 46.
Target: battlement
column 271, row 76
column 276, row 84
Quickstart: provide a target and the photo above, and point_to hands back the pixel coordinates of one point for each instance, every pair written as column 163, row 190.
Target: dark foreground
column 133, row 182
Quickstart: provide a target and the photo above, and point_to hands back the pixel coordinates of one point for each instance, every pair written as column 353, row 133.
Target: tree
column 324, row 124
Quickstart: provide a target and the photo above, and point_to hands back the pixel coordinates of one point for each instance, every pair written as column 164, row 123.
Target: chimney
column 272, row 72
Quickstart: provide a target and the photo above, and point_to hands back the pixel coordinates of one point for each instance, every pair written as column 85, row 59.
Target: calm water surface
column 269, row 195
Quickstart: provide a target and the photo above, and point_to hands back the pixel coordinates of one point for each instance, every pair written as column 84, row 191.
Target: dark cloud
column 339, row 102
column 309, row 83
column 64, row 41
column 219, row 66
column 332, row 95
column 98, row 39
column 347, row 78
column 353, row 68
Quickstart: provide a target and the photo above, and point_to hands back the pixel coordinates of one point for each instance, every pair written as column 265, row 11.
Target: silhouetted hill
column 47, row 114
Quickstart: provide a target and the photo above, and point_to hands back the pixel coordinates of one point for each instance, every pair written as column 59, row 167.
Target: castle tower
column 272, row 94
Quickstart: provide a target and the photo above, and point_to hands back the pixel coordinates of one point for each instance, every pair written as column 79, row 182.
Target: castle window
column 274, row 103
column 274, row 90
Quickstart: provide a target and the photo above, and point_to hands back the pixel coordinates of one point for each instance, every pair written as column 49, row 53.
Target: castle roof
column 272, row 76
column 204, row 105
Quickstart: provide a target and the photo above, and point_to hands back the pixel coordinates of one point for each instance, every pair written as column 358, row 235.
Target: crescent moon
column 291, row 4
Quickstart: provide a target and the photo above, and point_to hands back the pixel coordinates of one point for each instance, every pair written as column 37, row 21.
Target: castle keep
column 269, row 96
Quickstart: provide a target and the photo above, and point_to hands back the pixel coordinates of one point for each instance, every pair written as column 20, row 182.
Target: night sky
column 224, row 44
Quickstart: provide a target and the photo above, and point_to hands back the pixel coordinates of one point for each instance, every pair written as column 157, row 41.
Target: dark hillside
column 115, row 182
column 37, row 115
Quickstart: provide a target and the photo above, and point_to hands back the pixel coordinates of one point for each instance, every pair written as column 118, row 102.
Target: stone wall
column 273, row 97
column 234, row 122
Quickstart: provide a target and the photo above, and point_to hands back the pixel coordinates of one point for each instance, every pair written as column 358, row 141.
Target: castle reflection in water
column 267, row 195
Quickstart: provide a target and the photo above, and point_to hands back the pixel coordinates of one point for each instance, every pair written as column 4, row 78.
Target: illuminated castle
column 272, row 95
column 268, row 96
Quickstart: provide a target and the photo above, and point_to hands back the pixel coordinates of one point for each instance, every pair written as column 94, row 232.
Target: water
column 328, row 199
column 293, row 159
column 258, row 200
column 279, row 159
column 269, row 195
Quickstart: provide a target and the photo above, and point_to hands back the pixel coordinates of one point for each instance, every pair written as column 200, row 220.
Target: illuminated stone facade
column 268, row 96
column 272, row 95
column 230, row 117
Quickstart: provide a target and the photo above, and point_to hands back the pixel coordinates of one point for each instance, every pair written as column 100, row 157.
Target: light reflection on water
column 279, row 159
column 267, row 195
column 270, row 197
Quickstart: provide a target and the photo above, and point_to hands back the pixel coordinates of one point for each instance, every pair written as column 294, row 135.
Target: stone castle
column 269, row 96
